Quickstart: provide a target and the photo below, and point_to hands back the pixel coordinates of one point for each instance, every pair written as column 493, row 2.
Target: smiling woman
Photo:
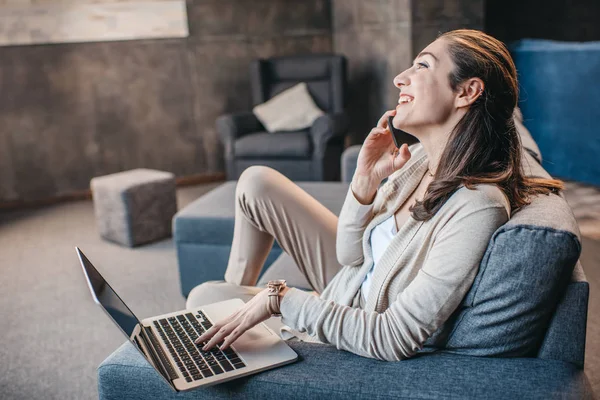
column 400, row 258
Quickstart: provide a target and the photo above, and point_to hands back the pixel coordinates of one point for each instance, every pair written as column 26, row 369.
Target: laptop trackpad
column 258, row 332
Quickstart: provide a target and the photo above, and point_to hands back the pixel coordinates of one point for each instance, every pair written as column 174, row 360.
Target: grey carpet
column 53, row 336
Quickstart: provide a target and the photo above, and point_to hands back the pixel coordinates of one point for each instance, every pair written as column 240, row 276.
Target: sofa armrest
column 233, row 126
column 325, row 372
column 325, row 128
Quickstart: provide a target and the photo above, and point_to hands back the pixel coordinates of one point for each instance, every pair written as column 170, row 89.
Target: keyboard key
column 217, row 369
column 239, row 365
column 206, row 372
column 197, row 377
column 226, row 366
column 235, row 359
column 188, row 379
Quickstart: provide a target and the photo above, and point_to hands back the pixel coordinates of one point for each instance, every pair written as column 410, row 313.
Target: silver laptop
column 167, row 341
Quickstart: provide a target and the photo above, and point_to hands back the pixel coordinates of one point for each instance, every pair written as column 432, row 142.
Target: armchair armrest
column 233, row 126
column 327, row 127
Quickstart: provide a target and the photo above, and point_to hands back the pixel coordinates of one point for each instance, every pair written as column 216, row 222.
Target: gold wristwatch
column 275, row 287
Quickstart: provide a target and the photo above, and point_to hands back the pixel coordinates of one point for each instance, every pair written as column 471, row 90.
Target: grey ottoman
column 134, row 207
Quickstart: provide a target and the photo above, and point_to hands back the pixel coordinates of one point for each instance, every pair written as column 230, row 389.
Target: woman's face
column 426, row 99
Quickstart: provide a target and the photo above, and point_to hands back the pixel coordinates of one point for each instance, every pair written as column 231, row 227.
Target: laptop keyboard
column 179, row 333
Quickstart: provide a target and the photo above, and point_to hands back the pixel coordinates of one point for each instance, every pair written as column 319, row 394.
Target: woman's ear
column 469, row 92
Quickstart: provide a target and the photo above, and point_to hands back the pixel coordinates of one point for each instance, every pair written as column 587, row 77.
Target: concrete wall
column 69, row 112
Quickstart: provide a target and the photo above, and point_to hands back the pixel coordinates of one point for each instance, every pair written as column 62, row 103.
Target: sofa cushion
column 523, row 274
column 267, row 145
column 325, row 372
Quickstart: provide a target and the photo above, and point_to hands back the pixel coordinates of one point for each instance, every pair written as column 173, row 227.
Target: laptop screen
column 108, row 299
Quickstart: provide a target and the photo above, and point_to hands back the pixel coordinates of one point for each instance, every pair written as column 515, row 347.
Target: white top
column 381, row 236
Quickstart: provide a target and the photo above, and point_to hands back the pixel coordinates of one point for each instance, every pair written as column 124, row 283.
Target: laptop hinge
column 157, row 354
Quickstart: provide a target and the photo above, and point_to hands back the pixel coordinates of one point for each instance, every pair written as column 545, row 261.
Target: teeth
column 405, row 99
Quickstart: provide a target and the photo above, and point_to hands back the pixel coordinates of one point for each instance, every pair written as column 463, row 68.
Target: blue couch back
column 561, row 104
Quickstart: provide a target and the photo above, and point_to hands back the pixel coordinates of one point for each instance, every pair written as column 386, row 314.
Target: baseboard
column 87, row 194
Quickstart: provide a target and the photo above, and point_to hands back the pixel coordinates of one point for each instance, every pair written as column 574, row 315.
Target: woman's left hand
column 251, row 314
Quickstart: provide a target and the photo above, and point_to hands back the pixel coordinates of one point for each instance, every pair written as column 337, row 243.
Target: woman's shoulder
column 481, row 196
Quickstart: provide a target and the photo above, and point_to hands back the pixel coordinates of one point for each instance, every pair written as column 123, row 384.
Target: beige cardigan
column 421, row 278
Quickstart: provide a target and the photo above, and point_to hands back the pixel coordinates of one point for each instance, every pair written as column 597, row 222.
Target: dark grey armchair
column 312, row 154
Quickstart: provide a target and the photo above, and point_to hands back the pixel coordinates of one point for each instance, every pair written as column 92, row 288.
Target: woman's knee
column 257, row 181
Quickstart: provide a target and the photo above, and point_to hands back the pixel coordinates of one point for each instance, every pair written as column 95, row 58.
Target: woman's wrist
column 363, row 188
column 282, row 293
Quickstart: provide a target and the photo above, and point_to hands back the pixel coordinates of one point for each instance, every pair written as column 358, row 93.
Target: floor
column 54, row 336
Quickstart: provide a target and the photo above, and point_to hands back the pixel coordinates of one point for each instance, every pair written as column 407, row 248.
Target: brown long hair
column 484, row 147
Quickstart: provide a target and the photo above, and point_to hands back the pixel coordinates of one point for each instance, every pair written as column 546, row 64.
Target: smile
column 405, row 98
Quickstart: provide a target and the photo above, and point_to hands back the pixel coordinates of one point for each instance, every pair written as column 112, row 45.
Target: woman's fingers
column 400, row 157
column 377, row 131
column 207, row 335
column 383, row 121
column 235, row 334
column 215, row 328
column 220, row 335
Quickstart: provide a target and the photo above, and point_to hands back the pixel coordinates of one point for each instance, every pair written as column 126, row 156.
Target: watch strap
column 275, row 288
column 274, row 304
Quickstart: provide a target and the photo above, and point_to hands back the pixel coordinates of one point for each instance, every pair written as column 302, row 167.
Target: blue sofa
column 519, row 333
column 561, row 104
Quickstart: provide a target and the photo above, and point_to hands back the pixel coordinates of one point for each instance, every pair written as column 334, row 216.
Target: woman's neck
column 434, row 138
column 433, row 148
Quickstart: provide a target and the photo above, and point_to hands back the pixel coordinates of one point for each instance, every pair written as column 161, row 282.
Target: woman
column 406, row 252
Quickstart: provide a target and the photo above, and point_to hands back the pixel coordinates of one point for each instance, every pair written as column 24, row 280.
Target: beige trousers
column 269, row 206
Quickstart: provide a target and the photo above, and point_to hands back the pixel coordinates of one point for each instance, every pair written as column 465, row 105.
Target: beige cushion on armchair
column 291, row 110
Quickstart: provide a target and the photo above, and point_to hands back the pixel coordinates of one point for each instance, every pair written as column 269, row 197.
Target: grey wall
column 73, row 111
column 381, row 38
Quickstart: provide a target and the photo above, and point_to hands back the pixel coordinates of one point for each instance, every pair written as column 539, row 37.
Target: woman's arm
column 354, row 218
column 418, row 311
